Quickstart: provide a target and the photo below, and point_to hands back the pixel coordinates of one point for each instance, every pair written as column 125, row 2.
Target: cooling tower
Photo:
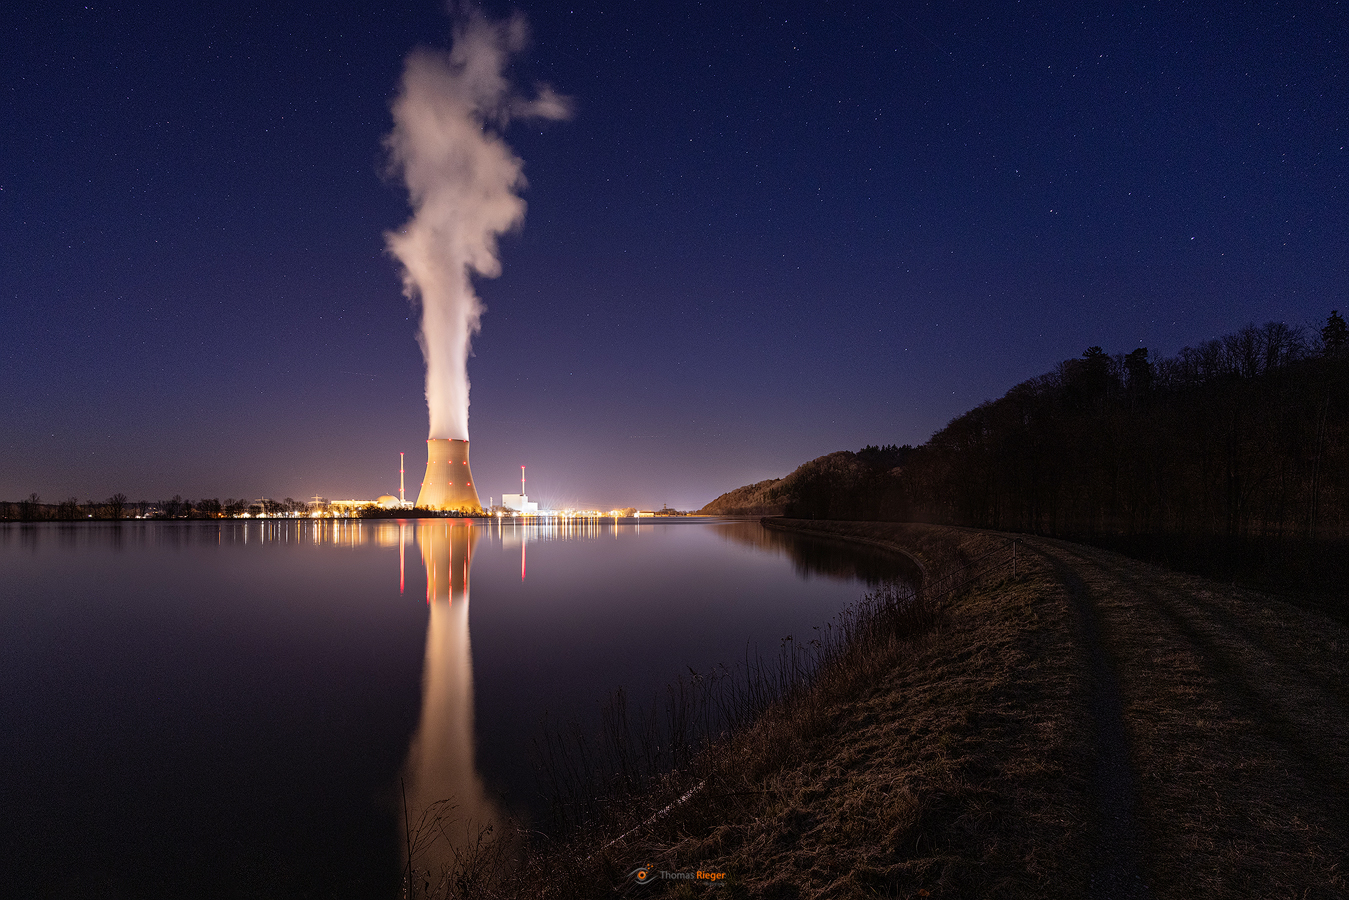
column 448, row 483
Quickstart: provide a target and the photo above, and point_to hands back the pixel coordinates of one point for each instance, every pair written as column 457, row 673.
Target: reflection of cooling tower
column 447, row 805
column 448, row 483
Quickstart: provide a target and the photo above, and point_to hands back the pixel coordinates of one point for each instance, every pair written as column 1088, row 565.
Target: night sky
column 766, row 234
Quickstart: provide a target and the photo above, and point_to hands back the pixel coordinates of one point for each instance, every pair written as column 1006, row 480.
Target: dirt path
column 1117, row 873
column 1214, row 752
column 1222, row 730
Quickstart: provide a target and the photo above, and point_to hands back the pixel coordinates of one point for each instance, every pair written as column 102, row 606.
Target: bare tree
column 1335, row 334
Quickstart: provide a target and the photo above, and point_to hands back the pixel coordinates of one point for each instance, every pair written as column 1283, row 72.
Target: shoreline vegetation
column 1043, row 719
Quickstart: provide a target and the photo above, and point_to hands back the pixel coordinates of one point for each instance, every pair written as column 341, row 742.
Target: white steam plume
column 462, row 181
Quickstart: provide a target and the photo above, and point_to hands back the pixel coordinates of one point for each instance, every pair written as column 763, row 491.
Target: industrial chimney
column 448, row 483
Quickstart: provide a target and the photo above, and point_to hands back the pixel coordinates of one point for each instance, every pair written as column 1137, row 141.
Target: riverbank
column 874, row 783
column 1090, row 726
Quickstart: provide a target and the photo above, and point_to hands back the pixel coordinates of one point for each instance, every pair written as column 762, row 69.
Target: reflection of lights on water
column 511, row 532
column 443, row 789
column 441, row 777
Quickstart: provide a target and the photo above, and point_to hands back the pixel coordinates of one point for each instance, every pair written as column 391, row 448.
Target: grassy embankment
column 921, row 756
column 1090, row 726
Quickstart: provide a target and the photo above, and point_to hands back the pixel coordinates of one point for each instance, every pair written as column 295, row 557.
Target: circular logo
column 642, row 875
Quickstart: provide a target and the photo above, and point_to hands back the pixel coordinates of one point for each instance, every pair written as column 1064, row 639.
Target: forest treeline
column 119, row 507
column 1231, row 458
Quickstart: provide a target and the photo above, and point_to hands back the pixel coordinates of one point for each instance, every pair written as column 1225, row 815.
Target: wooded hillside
column 1231, row 458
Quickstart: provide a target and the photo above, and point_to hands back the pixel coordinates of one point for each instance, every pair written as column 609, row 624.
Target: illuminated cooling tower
column 448, row 483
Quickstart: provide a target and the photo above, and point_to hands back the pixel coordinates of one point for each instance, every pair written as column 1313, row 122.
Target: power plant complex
column 448, row 487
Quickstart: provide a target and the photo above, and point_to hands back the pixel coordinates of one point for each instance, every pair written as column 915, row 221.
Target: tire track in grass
column 1320, row 757
column 1117, row 875
column 1241, row 747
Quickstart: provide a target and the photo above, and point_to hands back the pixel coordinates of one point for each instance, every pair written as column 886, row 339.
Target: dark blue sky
column 766, row 234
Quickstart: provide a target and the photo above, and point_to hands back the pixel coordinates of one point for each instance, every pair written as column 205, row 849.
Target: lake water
column 239, row 708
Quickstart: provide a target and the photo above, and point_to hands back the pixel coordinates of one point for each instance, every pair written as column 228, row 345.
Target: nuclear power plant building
column 519, row 503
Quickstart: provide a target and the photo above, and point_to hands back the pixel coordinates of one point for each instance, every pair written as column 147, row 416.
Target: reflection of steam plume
column 461, row 180
column 440, row 768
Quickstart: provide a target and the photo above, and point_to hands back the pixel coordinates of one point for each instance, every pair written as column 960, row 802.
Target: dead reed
column 674, row 740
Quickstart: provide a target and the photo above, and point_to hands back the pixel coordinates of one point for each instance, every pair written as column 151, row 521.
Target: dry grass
column 952, row 771
column 958, row 760
column 939, row 761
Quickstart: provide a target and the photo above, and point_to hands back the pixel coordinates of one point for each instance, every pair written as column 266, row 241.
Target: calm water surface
column 200, row 709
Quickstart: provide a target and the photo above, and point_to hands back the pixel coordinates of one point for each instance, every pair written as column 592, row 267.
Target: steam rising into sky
column 462, row 182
